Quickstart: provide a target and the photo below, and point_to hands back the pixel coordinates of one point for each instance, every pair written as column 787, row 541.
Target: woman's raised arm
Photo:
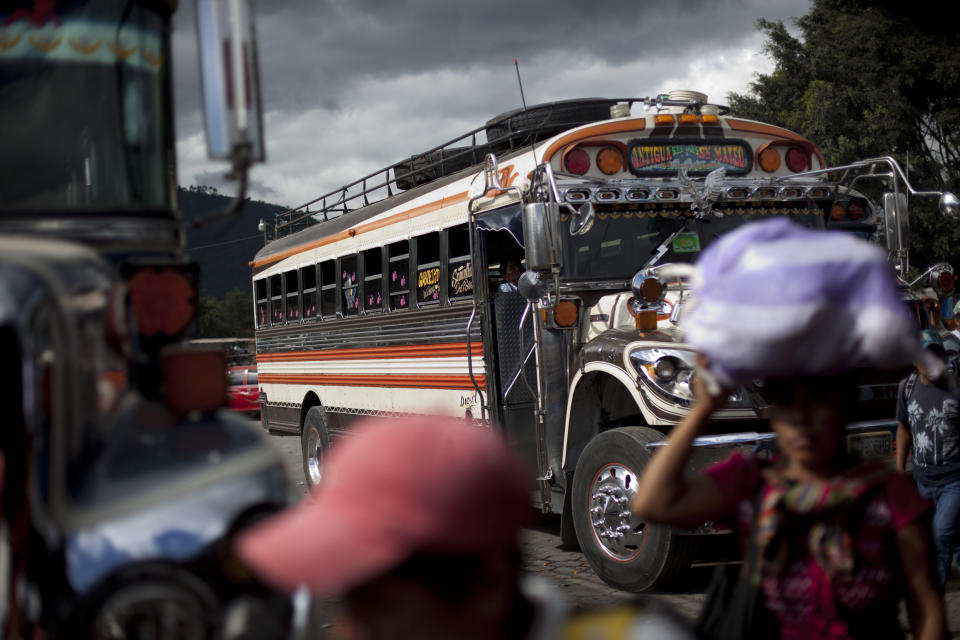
column 663, row 494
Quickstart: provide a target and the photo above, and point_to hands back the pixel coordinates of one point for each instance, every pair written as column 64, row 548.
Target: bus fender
column 584, row 405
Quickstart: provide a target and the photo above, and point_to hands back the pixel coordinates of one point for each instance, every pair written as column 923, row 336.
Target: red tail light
column 855, row 211
column 797, row 159
column 577, row 162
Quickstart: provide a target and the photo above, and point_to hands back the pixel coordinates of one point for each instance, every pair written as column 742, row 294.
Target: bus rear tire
column 624, row 551
column 314, row 445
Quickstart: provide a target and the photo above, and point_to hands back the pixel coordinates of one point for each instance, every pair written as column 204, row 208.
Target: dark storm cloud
column 314, row 53
column 314, row 48
column 350, row 86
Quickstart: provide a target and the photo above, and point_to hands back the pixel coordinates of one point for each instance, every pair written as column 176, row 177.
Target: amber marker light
column 647, row 320
column 687, row 118
column 663, row 118
column 163, row 300
column 565, row 313
column 769, row 159
column 609, row 160
column 651, row 290
column 194, row 379
column 838, row 211
column 709, row 118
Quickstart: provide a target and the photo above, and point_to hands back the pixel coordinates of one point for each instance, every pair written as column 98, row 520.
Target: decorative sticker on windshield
column 664, row 157
column 461, row 279
column 687, row 242
column 428, row 284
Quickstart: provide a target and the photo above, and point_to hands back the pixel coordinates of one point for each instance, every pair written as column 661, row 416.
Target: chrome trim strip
column 724, row 440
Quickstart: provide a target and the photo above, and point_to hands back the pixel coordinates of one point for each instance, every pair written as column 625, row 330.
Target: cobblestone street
column 569, row 571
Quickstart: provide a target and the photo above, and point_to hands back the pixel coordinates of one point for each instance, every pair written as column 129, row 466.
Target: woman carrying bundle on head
column 831, row 543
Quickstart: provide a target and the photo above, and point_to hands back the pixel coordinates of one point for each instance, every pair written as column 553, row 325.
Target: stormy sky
column 351, row 86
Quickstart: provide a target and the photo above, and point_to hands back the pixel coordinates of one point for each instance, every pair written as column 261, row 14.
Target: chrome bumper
column 755, row 437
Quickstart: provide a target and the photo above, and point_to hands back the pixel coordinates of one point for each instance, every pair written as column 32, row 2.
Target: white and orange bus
column 384, row 297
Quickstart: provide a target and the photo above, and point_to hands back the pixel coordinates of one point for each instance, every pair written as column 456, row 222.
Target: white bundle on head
column 774, row 299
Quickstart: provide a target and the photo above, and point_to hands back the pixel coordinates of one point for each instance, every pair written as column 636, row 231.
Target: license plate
column 876, row 444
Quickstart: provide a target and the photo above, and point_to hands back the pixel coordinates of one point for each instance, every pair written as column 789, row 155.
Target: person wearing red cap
column 415, row 527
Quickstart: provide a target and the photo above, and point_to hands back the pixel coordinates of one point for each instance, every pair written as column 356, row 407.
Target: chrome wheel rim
column 618, row 532
column 314, row 455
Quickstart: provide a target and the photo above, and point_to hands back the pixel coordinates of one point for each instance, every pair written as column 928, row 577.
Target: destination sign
column 665, row 157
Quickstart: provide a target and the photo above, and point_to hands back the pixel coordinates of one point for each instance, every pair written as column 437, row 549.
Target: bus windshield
column 620, row 242
column 83, row 89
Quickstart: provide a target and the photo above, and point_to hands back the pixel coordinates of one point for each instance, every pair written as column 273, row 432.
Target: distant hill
column 224, row 248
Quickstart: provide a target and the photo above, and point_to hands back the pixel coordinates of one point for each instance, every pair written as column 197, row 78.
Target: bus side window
column 276, row 299
column 398, row 276
column 428, row 269
column 263, row 302
column 460, row 282
column 292, row 289
column 349, row 286
column 308, row 278
column 328, row 289
column 373, row 280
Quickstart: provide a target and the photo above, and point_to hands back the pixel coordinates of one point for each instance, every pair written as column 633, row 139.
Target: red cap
column 390, row 489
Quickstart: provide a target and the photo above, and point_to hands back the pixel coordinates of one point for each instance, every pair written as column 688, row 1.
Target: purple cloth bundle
column 774, row 299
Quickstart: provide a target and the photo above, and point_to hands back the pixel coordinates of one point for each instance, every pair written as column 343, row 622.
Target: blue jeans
column 946, row 523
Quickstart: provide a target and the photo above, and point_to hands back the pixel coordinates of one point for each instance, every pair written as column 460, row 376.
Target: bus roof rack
column 503, row 134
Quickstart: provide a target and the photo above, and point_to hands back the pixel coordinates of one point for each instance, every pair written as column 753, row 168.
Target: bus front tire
column 624, row 551
column 314, row 444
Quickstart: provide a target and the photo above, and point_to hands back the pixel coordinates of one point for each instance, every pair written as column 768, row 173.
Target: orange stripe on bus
column 769, row 129
column 377, row 353
column 384, row 381
column 598, row 130
column 370, row 226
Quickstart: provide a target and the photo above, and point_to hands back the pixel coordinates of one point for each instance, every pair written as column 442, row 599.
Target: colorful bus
column 387, row 297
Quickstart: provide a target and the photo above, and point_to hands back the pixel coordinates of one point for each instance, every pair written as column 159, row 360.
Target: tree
column 866, row 78
column 210, row 318
column 238, row 312
column 231, row 317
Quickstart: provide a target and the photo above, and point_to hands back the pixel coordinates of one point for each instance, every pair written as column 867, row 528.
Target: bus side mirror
column 582, row 220
column 531, row 286
column 541, row 236
column 897, row 227
column 231, row 87
column 950, row 206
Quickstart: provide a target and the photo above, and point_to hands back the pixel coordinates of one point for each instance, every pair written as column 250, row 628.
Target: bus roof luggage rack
column 427, row 167
column 507, row 132
column 521, row 127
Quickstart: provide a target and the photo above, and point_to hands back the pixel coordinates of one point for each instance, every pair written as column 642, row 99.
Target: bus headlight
column 670, row 373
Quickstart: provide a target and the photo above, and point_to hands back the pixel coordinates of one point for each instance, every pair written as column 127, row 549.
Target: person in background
column 928, row 423
column 415, row 526
column 951, row 339
column 511, row 271
column 839, row 541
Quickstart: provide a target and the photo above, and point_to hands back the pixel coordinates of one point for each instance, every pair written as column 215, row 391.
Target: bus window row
column 427, row 270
